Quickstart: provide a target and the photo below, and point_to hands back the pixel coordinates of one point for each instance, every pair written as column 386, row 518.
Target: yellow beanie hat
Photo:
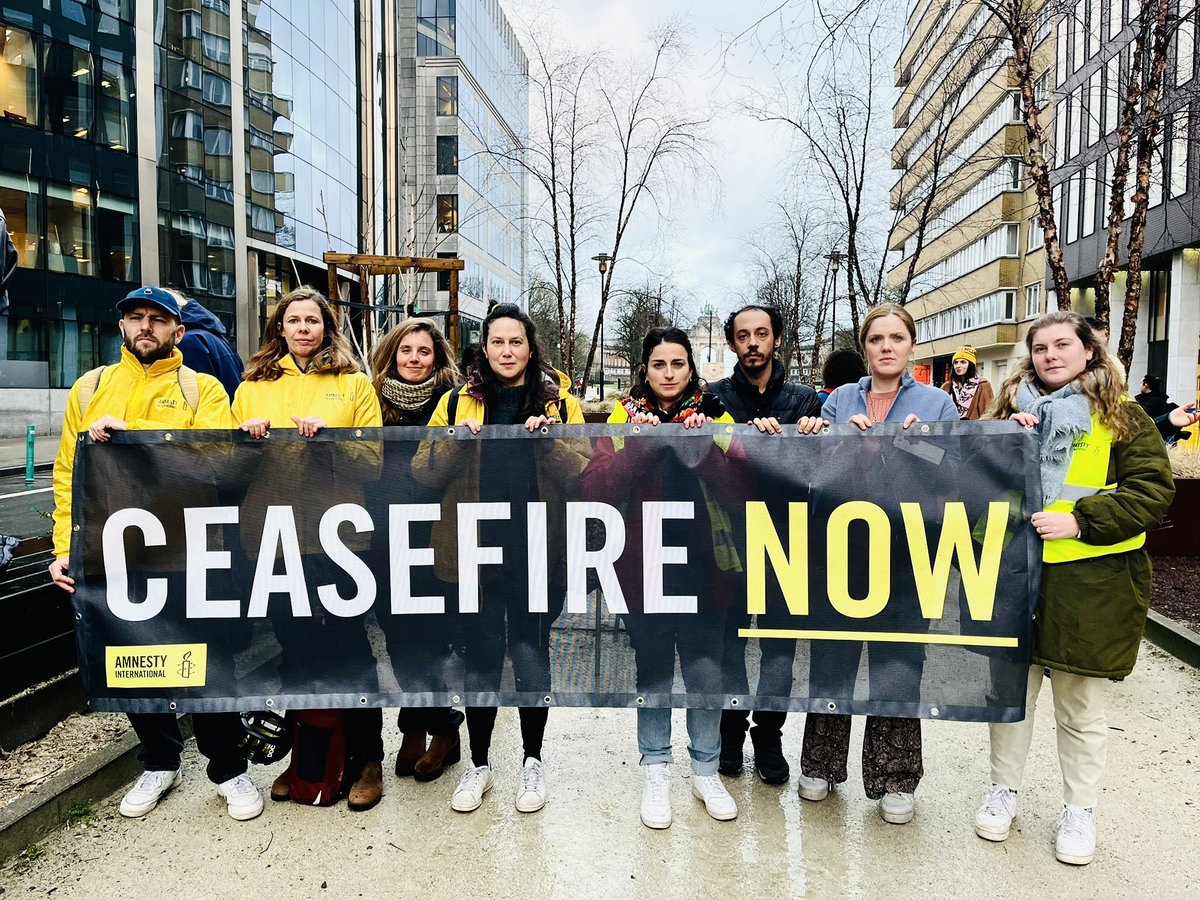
column 967, row 353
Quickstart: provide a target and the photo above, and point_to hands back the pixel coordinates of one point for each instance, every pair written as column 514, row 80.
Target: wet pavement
column 25, row 509
column 588, row 841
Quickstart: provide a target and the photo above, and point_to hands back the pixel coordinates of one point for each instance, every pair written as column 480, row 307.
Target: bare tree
column 640, row 311
column 655, row 135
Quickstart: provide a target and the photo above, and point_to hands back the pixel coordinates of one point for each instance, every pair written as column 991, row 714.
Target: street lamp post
column 835, row 262
column 602, row 260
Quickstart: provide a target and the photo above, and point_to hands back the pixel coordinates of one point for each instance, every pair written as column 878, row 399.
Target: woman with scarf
column 972, row 395
column 704, row 472
column 1105, row 480
column 414, row 368
column 305, row 377
column 511, row 384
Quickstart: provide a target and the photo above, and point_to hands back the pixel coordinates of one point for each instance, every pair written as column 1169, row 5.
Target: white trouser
column 1082, row 736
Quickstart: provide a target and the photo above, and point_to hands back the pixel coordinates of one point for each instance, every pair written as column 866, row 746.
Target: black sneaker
column 770, row 763
column 732, row 760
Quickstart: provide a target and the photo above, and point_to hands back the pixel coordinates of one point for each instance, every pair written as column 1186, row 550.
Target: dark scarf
column 683, row 412
column 405, row 396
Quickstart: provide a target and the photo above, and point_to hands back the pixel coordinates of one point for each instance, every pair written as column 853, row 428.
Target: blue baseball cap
column 154, row 295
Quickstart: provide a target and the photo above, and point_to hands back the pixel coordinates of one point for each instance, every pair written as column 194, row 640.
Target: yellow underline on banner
column 894, row 637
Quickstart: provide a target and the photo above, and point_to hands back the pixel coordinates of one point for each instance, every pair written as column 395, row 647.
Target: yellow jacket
column 343, row 401
column 146, row 400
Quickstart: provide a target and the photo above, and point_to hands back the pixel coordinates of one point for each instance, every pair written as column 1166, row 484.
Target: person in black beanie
column 758, row 393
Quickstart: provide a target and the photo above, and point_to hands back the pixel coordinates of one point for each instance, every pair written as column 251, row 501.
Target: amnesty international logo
column 162, row 665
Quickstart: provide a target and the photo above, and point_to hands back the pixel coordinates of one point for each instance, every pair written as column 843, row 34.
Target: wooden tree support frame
column 366, row 265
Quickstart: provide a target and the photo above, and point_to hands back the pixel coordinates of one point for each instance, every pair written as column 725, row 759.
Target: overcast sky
column 703, row 245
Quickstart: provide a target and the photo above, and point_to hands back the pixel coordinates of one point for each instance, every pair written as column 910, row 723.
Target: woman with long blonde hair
column 1105, row 480
column 305, row 377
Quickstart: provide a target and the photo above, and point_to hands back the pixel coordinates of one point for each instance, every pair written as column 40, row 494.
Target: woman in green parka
column 1105, row 480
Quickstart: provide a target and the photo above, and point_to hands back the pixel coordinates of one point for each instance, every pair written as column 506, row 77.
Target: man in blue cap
column 151, row 389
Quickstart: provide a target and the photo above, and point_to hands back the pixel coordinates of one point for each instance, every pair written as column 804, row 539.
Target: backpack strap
column 452, row 406
column 87, row 387
column 190, row 385
column 562, row 410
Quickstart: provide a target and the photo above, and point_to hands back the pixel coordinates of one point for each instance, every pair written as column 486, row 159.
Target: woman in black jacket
column 414, row 367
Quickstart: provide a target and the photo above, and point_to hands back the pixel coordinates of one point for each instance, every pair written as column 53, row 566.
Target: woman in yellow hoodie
column 305, row 377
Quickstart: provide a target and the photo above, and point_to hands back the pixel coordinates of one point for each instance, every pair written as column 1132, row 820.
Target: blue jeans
column 704, row 737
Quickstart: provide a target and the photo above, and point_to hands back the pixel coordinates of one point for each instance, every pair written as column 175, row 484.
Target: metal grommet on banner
column 270, row 703
column 831, row 706
column 637, row 429
column 729, row 429
column 172, row 704
column 547, row 699
column 74, row 527
column 455, row 701
column 641, row 701
column 825, row 430
column 924, row 429
column 358, row 432
column 449, row 431
column 545, row 430
column 733, row 702
column 167, row 436
column 933, row 711
column 362, row 701
column 82, row 436
column 78, row 617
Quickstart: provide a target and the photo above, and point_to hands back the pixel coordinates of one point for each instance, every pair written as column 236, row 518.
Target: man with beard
column 149, row 389
column 758, row 393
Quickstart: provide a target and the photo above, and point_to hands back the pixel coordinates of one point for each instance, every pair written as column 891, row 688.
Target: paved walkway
column 588, row 841
column 12, row 450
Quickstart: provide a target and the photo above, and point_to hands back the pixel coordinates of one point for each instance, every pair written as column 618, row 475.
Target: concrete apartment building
column 980, row 276
column 1094, row 41
column 222, row 146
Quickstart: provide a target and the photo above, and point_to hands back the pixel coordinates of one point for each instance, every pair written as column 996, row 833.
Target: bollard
column 29, row 438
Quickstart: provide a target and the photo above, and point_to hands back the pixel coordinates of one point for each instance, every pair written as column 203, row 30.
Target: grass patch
column 81, row 813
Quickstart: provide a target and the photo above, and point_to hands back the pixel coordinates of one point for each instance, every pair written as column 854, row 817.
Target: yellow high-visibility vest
column 1086, row 477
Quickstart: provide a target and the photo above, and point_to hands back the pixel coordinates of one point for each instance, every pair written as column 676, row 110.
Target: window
column 1115, row 22
column 1093, row 28
column 187, row 124
column 1033, row 300
column 1092, row 111
column 216, row 47
column 447, row 155
column 447, row 213
column 435, row 27
column 1060, row 38
column 1089, row 185
column 1078, row 36
column 1060, row 131
column 215, row 89
column 1179, row 154
column 1112, row 94
column 1037, row 236
column 218, row 142
column 19, row 198
column 116, row 238
column 1077, row 125
column 447, row 95
column 1041, row 23
column 1071, row 223
column 69, row 229
column 1041, row 89
column 68, row 76
column 115, row 112
column 443, row 276
column 1185, row 44
column 18, row 75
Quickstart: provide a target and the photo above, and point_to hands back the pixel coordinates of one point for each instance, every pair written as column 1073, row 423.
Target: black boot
column 767, row 738
column 733, row 737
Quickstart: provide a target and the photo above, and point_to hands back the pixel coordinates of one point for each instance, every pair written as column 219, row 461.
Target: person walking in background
column 414, row 368
column 971, row 394
column 841, row 367
column 703, row 473
column 892, row 758
column 305, row 377
column 758, row 393
column 1105, row 480
column 512, row 383
column 150, row 389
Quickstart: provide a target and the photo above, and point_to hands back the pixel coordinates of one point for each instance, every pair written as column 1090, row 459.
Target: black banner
column 891, row 572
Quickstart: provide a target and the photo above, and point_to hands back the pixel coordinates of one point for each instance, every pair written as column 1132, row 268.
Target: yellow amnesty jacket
column 343, row 401
column 146, row 400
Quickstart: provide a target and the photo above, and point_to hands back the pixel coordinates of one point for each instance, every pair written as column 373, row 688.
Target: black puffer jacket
column 784, row 400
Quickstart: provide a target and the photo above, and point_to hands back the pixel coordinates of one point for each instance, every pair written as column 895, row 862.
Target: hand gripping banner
column 891, row 572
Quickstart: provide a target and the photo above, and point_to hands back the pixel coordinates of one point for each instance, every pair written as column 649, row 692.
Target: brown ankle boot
column 412, row 748
column 368, row 790
column 444, row 750
column 281, row 787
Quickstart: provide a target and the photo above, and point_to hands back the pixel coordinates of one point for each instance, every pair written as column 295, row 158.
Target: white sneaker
column 1075, row 842
column 242, row 798
column 897, row 808
column 994, row 819
column 147, row 791
column 532, row 795
column 814, row 789
column 476, row 782
column 656, row 796
column 717, row 801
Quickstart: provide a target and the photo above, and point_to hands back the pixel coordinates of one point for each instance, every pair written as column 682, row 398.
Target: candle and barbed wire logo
column 187, row 668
